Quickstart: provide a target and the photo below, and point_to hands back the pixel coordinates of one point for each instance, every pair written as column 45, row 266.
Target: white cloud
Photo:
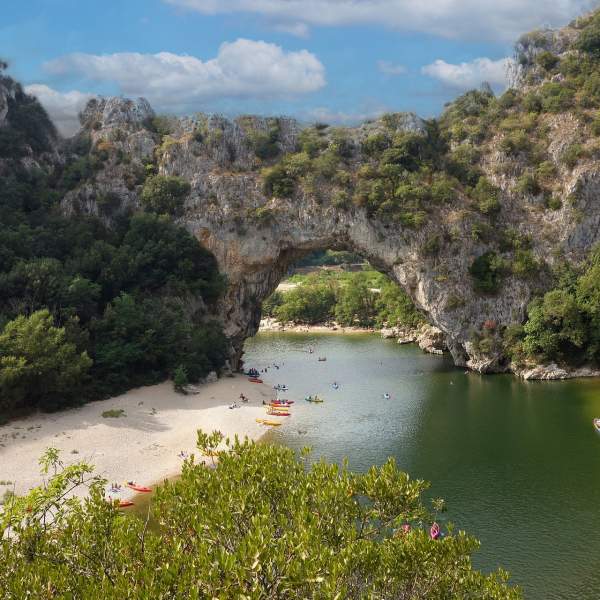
column 468, row 75
column 300, row 30
column 391, row 69
column 63, row 108
column 482, row 19
column 334, row 117
column 242, row 69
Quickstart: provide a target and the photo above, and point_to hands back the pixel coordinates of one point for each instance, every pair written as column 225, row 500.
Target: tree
column 165, row 194
column 355, row 302
column 39, row 365
column 308, row 303
column 259, row 525
column 180, row 379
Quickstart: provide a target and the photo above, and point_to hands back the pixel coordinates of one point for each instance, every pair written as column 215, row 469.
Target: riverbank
column 274, row 325
column 141, row 441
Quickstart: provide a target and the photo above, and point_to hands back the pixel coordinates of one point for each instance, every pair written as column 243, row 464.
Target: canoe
column 317, row 400
column 267, row 422
column 278, row 413
column 255, row 380
column 125, row 503
column 283, row 401
column 597, row 425
column 138, row 488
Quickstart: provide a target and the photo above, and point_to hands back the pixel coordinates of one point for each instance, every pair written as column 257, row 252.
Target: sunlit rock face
column 256, row 237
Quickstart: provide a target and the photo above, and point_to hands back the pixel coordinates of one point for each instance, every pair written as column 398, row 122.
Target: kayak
column 255, row 380
column 597, row 425
column 267, row 422
column 314, row 400
column 125, row 503
column 282, row 401
column 277, row 413
column 138, row 488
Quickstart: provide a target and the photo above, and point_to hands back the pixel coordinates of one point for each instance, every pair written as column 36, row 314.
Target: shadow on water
column 517, row 462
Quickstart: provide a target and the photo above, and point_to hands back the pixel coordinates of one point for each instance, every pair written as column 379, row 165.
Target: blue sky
column 332, row 60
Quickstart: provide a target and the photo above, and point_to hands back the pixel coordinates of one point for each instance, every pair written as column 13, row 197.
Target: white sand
column 142, row 446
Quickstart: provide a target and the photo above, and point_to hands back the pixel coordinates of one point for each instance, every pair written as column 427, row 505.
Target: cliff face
column 256, row 233
column 256, row 237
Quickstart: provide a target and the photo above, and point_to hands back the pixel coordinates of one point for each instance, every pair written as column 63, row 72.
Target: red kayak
column 138, row 488
column 255, row 380
column 278, row 413
column 125, row 503
column 282, row 401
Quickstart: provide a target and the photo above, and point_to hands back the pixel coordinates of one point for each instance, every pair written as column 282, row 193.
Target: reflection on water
column 518, row 463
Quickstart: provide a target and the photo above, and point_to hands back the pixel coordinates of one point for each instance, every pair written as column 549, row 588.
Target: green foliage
column 261, row 524
column 524, row 264
column 115, row 413
column 165, row 194
column 39, row 366
column 270, row 305
column 556, row 97
column 487, row 197
column 395, row 308
column 310, row 303
column 265, row 144
column 572, row 154
column 356, row 302
column 487, row 272
column 527, row 184
column 547, row 60
column 564, row 324
column 180, row 379
column 139, row 342
column 375, row 144
column 589, row 38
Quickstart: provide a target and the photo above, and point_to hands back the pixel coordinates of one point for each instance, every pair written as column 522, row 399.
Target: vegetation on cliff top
column 261, row 524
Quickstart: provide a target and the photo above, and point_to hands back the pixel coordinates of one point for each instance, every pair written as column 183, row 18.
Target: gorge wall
column 256, row 237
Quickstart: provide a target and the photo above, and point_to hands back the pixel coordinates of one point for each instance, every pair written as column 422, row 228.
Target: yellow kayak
column 267, row 422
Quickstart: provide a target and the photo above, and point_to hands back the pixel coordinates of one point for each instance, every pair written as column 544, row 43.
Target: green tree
column 180, row 379
column 309, row 303
column 356, row 302
column 39, row 365
column 165, row 194
column 259, row 525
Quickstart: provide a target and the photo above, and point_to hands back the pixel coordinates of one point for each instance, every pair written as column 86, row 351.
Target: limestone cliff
column 257, row 232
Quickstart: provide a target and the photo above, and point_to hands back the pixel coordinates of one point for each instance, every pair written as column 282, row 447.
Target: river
column 518, row 463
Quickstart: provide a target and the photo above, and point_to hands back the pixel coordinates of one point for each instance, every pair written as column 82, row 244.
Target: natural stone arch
column 255, row 256
column 255, row 236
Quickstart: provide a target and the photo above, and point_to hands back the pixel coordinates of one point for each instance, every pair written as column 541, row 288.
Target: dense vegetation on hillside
column 259, row 525
column 87, row 311
column 364, row 299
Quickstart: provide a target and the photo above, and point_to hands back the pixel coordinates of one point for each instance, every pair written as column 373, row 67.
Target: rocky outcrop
column 429, row 338
column 554, row 372
column 256, row 238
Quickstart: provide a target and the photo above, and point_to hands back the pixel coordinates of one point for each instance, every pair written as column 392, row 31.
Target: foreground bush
column 259, row 525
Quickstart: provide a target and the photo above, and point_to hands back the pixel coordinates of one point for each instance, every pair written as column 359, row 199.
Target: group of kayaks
column 136, row 488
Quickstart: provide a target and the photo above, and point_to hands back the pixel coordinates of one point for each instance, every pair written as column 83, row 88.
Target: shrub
column 265, row 144
column 278, row 182
column 516, row 142
column 487, row 272
column 571, row 155
column 524, row 264
column 223, row 533
column 527, row 184
column 375, row 144
column 164, row 194
column 180, row 379
column 487, row 196
column 556, row 97
column 547, row 60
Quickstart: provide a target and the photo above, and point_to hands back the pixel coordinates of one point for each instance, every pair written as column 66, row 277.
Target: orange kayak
column 125, row 503
column 255, row 380
column 138, row 488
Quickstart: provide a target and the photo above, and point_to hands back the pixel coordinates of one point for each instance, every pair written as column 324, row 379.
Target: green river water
column 518, row 463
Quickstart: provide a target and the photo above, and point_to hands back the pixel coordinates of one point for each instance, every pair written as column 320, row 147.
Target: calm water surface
column 518, row 463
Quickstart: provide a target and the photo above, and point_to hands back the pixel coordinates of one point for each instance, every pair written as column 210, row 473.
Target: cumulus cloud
column 468, row 75
column 389, row 68
column 63, row 107
column 241, row 69
column 482, row 19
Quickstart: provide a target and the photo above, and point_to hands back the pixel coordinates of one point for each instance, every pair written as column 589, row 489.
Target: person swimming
column 386, row 396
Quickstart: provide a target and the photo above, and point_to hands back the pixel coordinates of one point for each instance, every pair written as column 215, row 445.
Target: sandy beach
column 141, row 445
